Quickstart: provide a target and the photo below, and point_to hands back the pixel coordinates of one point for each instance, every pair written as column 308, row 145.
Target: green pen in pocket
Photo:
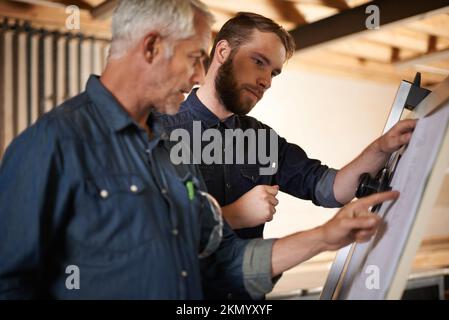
column 190, row 190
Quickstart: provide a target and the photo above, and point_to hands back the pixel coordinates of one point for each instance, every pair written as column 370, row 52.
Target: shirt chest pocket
column 109, row 186
column 119, row 213
column 250, row 175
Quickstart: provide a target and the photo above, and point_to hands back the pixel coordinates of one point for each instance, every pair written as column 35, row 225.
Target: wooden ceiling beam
column 371, row 50
column 340, row 65
column 339, row 5
column 351, row 67
column 314, row 13
column 93, row 3
column 58, row 3
column 54, row 17
column 79, row 3
column 437, row 25
column 423, row 68
column 288, row 11
column 443, row 64
column 352, row 22
column 406, row 39
column 424, row 59
column 104, row 10
column 263, row 7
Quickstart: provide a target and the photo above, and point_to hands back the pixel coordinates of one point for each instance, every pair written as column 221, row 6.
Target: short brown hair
column 238, row 30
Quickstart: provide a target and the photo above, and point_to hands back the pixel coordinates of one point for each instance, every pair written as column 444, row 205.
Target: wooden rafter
column 431, row 69
column 79, row 3
column 104, row 10
column 57, row 4
column 438, row 25
column 352, row 22
column 335, row 63
column 288, row 11
column 371, row 50
column 340, row 5
column 424, row 59
column 414, row 39
column 263, row 7
column 405, row 38
column 54, row 17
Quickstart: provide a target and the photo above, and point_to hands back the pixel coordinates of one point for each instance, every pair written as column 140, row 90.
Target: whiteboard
column 379, row 268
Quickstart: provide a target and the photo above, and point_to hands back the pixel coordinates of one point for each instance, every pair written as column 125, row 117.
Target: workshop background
column 332, row 98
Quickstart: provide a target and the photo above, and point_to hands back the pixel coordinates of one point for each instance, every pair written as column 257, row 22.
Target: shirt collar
column 113, row 113
column 107, row 105
column 202, row 113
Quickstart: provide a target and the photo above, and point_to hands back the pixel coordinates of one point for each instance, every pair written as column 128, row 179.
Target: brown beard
column 227, row 89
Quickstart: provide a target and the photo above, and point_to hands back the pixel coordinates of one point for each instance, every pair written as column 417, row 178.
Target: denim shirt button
column 104, row 194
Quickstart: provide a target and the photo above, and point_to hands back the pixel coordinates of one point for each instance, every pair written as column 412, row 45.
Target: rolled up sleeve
column 324, row 190
column 257, row 268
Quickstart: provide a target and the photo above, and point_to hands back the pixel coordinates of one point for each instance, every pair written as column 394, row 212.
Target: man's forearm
column 291, row 250
column 229, row 213
column 371, row 160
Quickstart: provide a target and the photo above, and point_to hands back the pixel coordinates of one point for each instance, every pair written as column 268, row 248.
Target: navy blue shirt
column 296, row 174
column 86, row 186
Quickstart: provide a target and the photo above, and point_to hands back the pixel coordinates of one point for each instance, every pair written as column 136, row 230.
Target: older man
column 92, row 207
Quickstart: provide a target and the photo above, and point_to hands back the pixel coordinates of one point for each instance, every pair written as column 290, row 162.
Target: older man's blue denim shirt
column 85, row 186
column 297, row 174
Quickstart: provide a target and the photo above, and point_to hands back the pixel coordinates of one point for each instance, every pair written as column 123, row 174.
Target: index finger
column 377, row 198
column 406, row 125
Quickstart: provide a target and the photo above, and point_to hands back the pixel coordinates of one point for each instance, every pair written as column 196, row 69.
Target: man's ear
column 152, row 46
column 222, row 51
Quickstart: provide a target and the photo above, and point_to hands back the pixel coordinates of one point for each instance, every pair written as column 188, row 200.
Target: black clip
column 369, row 185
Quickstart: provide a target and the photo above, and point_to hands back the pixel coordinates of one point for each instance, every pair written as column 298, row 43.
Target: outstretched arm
column 354, row 222
column 371, row 160
column 252, row 266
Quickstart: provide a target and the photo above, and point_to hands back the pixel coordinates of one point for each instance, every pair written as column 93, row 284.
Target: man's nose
column 264, row 82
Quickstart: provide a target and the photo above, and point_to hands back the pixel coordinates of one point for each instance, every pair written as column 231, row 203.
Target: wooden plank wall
column 39, row 69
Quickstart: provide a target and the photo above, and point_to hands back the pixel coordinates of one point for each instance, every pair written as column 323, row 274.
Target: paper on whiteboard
column 380, row 256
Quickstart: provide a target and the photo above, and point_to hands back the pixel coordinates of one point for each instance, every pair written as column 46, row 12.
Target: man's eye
column 196, row 60
column 258, row 62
